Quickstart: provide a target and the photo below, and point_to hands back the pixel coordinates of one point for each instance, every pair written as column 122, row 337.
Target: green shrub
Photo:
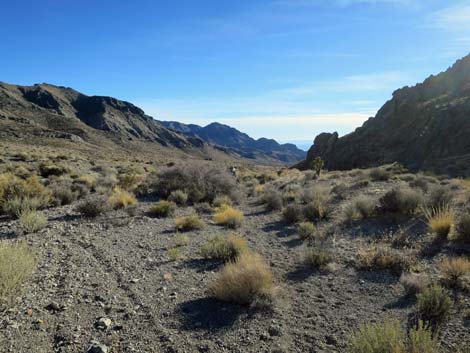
column 434, row 304
column 188, row 223
column 32, row 221
column 386, row 337
column 162, row 209
column 403, row 200
column 422, row 340
column 174, row 254
column 47, row 170
column 179, row 197
column 226, row 248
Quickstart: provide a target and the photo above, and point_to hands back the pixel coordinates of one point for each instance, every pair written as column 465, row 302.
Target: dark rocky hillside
column 239, row 142
column 423, row 127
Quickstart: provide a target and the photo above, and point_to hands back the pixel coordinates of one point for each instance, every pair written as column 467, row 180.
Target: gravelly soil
column 117, row 267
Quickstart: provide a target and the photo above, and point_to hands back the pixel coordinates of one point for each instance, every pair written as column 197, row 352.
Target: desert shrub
column 47, row 170
column 188, row 223
column 422, row 340
column 200, row 181
column 17, row 263
column 413, row 283
column 174, row 254
column 32, row 221
column 17, row 195
column 318, row 203
column 349, row 212
column 62, row 194
column 306, row 230
column 387, row 337
column 222, row 200
column 88, row 180
column 292, row 213
column 383, row 258
column 440, row 221
column 318, row 257
column 360, row 207
column 181, row 240
column 434, row 304
column 228, row 217
column 439, row 197
column 340, row 190
column 463, row 229
column 179, row 197
column 272, row 199
column 403, row 200
column 419, row 183
column 129, row 180
column 226, row 248
column 121, row 199
column 162, row 209
column 379, row 174
column 203, row 208
column 92, row 207
column 454, row 270
column 244, row 280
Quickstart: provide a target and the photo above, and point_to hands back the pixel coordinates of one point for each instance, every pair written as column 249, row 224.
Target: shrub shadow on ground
column 207, row 314
column 279, row 228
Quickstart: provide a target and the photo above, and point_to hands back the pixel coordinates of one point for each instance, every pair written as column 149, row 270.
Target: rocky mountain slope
column 239, row 142
column 423, row 127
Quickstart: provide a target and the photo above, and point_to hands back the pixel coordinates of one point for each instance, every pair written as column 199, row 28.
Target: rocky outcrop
column 422, row 127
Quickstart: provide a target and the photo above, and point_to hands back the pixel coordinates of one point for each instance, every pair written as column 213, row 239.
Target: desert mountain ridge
column 239, row 142
column 48, row 114
column 423, row 127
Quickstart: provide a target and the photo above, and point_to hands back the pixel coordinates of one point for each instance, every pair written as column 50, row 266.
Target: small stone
column 29, row 312
column 96, row 347
column 331, row 340
column 274, row 330
column 103, row 323
column 54, row 306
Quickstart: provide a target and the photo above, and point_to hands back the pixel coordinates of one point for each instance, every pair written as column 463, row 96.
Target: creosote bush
column 434, row 304
column 188, row 223
column 32, row 221
column 244, row 281
column 17, row 263
column 383, row 258
column 121, row 199
column 179, row 197
column 413, row 283
column 403, row 200
column 292, row 213
column 200, row 181
column 93, row 207
column 225, row 248
column 463, row 229
column 228, row 216
column 162, row 209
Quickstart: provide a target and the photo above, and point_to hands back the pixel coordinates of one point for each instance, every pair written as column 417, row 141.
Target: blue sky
column 286, row 69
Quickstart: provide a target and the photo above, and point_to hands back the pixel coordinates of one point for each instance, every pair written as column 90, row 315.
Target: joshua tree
column 317, row 165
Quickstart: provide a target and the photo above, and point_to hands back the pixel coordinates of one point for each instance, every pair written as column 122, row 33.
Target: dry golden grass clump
column 440, row 221
column 179, row 197
column 181, row 240
column 434, row 304
column 379, row 174
column 174, row 254
column 188, row 223
column 121, row 199
column 32, row 221
column 130, row 180
column 454, row 270
column 228, row 217
column 318, row 257
column 17, row 263
column 244, row 281
column 390, row 337
column 226, row 248
column 88, row 180
column 162, row 209
column 383, row 258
